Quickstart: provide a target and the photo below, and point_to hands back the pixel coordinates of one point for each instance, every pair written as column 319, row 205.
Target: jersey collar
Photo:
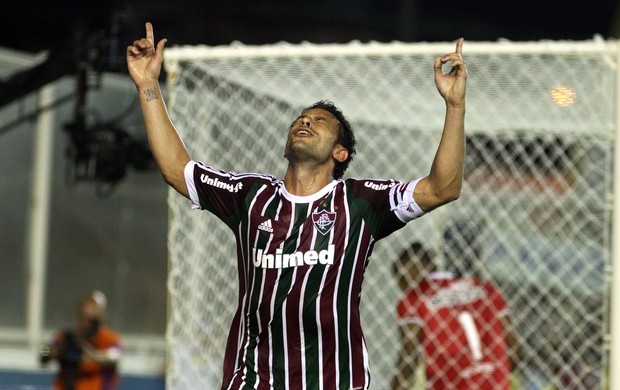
column 308, row 198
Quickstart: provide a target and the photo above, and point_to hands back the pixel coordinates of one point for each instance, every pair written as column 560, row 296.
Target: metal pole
column 38, row 216
column 614, row 344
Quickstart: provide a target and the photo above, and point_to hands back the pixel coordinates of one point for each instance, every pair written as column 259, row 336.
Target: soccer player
column 303, row 241
column 458, row 327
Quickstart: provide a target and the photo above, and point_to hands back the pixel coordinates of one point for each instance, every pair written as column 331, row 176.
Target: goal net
column 534, row 216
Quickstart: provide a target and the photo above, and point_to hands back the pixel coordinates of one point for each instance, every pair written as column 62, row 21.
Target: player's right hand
column 144, row 59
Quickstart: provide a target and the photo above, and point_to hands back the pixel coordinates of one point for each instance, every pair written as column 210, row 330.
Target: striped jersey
column 301, row 262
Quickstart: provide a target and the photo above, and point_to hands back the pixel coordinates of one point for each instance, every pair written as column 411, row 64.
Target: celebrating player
column 302, row 241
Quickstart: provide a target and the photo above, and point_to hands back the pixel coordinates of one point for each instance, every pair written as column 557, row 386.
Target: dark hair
column 416, row 252
column 346, row 138
column 462, row 247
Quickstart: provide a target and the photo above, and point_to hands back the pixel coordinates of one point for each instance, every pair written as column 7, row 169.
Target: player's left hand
column 451, row 85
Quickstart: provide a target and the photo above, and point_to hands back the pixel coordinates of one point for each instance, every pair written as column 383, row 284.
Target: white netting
column 540, row 126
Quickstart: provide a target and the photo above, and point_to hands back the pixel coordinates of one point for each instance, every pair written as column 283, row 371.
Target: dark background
column 43, row 25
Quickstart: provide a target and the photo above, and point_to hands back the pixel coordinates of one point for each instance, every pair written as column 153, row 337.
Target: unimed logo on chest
column 295, row 259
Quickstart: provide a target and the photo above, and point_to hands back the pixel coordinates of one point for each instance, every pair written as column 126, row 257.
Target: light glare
column 563, row 96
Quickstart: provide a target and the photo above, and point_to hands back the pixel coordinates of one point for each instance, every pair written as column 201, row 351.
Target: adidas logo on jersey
column 266, row 226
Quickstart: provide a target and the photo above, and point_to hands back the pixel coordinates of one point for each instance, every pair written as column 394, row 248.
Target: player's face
column 89, row 310
column 312, row 136
column 411, row 271
column 405, row 275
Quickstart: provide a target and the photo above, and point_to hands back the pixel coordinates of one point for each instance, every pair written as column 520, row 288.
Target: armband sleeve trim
column 406, row 208
column 191, row 185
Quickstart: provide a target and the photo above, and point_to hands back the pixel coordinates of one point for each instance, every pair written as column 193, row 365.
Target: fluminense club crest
column 323, row 221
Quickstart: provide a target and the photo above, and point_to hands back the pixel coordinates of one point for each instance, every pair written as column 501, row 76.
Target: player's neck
column 302, row 180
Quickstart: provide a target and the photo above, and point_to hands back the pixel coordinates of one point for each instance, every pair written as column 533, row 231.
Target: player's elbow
column 445, row 188
column 433, row 195
column 446, row 195
column 451, row 195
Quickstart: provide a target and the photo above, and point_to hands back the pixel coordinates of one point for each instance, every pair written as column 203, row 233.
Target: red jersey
column 462, row 332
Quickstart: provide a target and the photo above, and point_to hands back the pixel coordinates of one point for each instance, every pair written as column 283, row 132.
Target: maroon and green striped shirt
column 301, row 262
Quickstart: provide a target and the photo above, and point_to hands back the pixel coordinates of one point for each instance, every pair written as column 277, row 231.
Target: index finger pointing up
column 459, row 46
column 149, row 33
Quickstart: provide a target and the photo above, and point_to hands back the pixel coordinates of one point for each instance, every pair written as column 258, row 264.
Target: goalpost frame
column 614, row 344
column 180, row 53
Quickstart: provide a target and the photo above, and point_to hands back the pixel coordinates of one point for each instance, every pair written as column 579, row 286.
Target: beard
column 296, row 151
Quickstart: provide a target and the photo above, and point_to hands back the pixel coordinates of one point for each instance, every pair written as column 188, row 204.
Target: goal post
column 539, row 191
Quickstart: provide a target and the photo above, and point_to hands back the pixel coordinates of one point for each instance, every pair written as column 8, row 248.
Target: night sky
column 64, row 25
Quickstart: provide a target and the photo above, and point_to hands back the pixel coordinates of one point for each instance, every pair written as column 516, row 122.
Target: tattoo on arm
column 151, row 94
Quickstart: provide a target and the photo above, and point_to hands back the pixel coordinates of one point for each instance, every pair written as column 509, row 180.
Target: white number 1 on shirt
column 471, row 332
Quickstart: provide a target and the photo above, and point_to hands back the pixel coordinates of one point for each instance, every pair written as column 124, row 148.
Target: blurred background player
column 457, row 327
column 89, row 352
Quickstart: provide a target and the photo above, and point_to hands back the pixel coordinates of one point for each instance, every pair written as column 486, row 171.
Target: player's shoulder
column 491, row 290
column 370, row 181
column 487, row 284
column 424, row 288
column 256, row 176
column 411, row 301
column 234, row 175
column 108, row 335
column 369, row 184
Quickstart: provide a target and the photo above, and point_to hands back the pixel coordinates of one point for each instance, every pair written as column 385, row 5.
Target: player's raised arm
column 144, row 62
column 443, row 184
